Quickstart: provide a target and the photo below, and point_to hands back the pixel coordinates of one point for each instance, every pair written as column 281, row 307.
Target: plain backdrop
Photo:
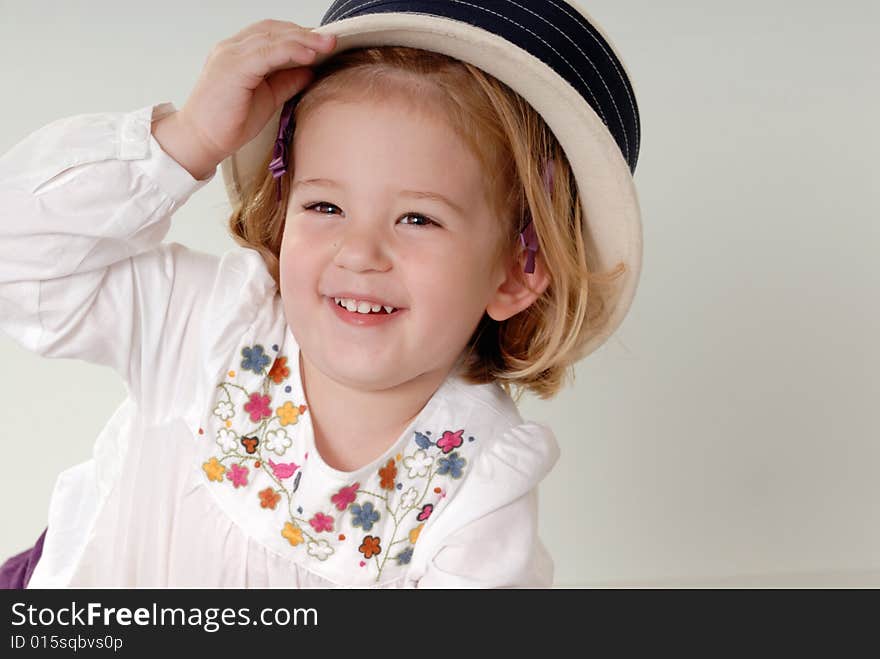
column 728, row 433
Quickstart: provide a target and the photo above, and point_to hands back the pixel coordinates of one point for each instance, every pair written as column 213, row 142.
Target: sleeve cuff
column 136, row 142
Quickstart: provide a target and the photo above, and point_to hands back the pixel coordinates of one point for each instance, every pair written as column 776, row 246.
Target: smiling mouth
column 364, row 308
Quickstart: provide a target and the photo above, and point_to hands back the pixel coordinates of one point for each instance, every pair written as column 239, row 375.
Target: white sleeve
column 85, row 202
column 488, row 535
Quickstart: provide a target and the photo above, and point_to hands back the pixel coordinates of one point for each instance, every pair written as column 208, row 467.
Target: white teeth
column 360, row 306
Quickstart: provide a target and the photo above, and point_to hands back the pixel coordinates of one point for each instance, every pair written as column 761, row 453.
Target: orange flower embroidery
column 269, row 498
column 414, row 534
column 289, row 413
column 370, row 546
column 279, row 371
column 293, row 534
column 214, row 470
column 388, row 474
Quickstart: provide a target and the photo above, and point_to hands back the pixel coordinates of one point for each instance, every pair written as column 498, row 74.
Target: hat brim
column 608, row 196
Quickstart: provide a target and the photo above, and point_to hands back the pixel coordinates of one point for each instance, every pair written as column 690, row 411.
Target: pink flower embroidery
column 238, row 475
column 427, row 509
column 450, row 440
column 258, row 407
column 321, row 522
column 283, row 469
column 345, row 496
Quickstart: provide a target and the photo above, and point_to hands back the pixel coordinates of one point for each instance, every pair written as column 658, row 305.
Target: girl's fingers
column 273, row 29
column 259, row 55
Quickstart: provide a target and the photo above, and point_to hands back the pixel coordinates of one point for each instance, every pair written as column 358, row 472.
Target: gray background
column 728, row 433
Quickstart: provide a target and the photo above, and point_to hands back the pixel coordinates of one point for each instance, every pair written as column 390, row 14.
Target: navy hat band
column 552, row 31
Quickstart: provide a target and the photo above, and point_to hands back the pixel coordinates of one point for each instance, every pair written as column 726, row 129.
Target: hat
column 554, row 55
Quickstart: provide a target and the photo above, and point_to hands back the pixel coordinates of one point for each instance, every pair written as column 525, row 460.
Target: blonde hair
column 536, row 348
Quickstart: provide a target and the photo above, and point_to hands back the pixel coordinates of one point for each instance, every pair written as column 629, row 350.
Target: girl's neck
column 353, row 427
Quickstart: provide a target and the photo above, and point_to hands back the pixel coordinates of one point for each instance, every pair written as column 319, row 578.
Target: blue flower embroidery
column 404, row 557
column 452, row 465
column 255, row 359
column 364, row 516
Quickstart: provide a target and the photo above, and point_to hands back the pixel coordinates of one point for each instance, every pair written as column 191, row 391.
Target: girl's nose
column 360, row 248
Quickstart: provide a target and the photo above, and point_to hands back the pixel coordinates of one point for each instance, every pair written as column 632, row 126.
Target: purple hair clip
column 278, row 166
column 528, row 236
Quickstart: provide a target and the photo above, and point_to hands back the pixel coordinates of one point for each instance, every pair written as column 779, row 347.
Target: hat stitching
column 611, row 58
column 338, row 15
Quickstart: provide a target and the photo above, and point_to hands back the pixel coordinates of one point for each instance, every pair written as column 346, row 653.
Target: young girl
column 329, row 404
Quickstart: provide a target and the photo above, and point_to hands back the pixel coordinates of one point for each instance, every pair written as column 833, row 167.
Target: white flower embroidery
column 409, row 498
column 226, row 440
column 277, row 441
column 418, row 463
column 320, row 549
column 224, row 410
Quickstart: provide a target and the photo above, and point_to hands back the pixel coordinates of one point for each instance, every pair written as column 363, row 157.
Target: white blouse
column 207, row 475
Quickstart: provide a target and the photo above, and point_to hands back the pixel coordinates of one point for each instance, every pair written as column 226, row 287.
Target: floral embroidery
column 214, row 470
column 388, row 474
column 452, row 465
column 364, row 516
column 418, row 463
column 289, row 414
column 224, row 410
column 277, row 441
column 450, row 441
column 279, row 371
column 404, row 494
column 292, row 533
column 404, row 557
column 238, row 475
column 370, row 546
column 321, row 522
column 255, row 359
column 269, row 498
column 250, row 444
column 258, row 407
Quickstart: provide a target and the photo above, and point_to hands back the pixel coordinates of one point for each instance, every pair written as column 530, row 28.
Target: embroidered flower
column 250, row 444
column 345, row 496
column 405, row 556
column 426, row 511
column 388, row 474
column 278, row 441
column 364, row 516
column 238, row 475
column 320, row 549
column 269, row 498
column 279, row 371
column 224, row 410
column 258, row 407
column 283, row 469
column 289, row 413
column 227, row 440
column 418, row 463
column 452, row 465
column 255, row 359
column 214, row 470
column 414, row 534
column 370, row 546
column 293, row 534
column 321, row 522
column 409, row 497
column 450, row 440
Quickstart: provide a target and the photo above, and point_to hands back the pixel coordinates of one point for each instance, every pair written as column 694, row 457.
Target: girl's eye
column 427, row 221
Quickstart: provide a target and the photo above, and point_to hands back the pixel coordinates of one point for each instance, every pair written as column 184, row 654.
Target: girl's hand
column 245, row 80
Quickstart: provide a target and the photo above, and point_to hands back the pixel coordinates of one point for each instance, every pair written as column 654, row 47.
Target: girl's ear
column 512, row 295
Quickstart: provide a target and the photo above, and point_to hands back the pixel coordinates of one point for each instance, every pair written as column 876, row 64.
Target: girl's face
column 359, row 233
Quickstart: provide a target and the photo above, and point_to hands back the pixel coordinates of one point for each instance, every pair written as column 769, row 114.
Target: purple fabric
column 16, row 572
